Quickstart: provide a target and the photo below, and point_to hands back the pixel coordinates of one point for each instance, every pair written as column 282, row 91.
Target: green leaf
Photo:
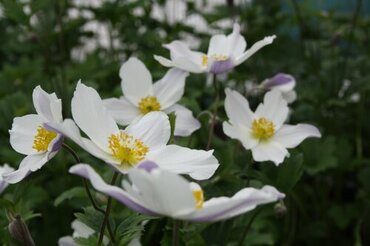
column 289, row 173
column 14, row 10
column 91, row 218
column 69, row 194
column 131, row 228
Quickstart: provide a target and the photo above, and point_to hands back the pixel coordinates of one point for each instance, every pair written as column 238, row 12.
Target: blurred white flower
column 141, row 96
column 264, row 131
column 80, row 230
column 124, row 149
column 157, row 192
column 29, row 136
column 284, row 83
column 3, row 170
column 224, row 53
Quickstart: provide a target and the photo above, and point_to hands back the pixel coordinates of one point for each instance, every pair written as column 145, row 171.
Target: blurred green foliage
column 327, row 181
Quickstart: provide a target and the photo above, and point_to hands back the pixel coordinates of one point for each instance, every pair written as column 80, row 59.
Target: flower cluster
column 132, row 134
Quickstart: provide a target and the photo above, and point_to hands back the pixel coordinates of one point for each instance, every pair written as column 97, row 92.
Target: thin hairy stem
column 214, row 114
column 92, row 201
column 175, row 233
column 247, row 228
column 107, row 211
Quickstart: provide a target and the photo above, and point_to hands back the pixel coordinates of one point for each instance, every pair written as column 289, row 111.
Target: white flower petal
column 92, row 117
column 245, row 200
column 81, row 230
column 290, row 136
column 122, row 196
column 255, row 47
column 269, row 151
column 182, row 57
column 69, row 129
column 136, row 80
column 122, row 110
column 23, row 132
column 48, row 106
column 170, row 88
column 185, row 123
column 153, row 130
column 218, row 45
column 273, row 108
column 236, row 42
column 241, row 133
column 198, row 164
column 164, row 192
column 237, row 108
column 67, row 241
column 3, row 170
column 289, row 96
column 29, row 164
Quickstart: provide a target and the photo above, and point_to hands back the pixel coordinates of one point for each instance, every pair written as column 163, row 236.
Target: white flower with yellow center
column 123, row 149
column 264, row 131
column 141, row 96
column 224, row 53
column 157, row 192
column 30, row 137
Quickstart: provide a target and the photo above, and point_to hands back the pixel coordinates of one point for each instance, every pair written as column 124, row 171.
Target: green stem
column 247, row 228
column 107, row 211
column 93, row 203
column 214, row 114
column 175, row 233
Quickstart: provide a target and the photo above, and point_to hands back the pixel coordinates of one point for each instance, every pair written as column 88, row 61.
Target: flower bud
column 19, row 231
column 280, row 209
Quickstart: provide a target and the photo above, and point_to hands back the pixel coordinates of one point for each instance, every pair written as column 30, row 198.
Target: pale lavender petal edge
column 98, row 183
column 245, row 202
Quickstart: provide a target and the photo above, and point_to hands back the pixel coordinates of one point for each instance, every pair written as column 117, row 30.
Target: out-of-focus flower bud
column 19, row 231
column 280, row 209
column 101, row 199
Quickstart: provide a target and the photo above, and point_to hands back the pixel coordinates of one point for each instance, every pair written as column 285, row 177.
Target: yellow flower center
column 42, row 139
column 263, row 128
column 219, row 57
column 149, row 104
column 126, row 149
column 199, row 198
column 204, row 60
column 216, row 57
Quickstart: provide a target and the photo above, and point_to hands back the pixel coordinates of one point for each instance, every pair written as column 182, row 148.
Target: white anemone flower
column 29, row 135
column 284, row 83
column 141, row 96
column 157, row 192
column 3, row 170
column 264, row 131
column 224, row 53
column 123, row 149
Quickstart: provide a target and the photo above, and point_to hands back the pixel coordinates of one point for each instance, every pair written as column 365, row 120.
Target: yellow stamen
column 199, row 198
column 149, row 104
column 263, row 128
column 42, row 139
column 204, row 60
column 219, row 57
column 126, row 149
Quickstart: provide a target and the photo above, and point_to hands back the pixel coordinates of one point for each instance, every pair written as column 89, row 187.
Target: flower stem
column 106, row 214
column 246, row 230
column 175, row 233
column 93, row 203
column 214, row 114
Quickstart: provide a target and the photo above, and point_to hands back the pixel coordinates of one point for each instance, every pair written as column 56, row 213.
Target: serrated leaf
column 69, row 194
column 91, row 218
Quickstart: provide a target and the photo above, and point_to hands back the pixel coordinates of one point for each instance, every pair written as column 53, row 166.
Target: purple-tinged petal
column 98, row 183
column 148, row 166
column 283, row 81
column 219, row 67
